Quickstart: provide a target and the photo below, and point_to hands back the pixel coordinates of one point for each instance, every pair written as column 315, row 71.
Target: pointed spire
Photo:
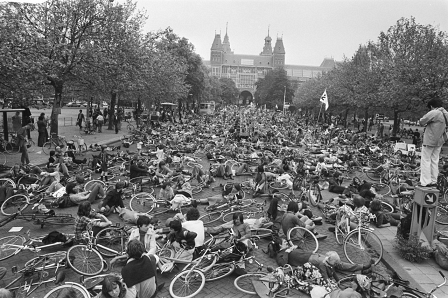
column 268, row 29
column 227, row 24
column 226, row 42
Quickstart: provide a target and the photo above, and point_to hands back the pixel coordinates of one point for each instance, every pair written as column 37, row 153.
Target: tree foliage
column 274, row 88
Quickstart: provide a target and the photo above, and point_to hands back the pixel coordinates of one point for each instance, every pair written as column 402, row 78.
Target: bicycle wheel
column 14, row 204
column 219, row 271
column 6, row 182
column 90, row 184
column 303, row 239
column 46, row 148
column 387, row 207
column 211, row 217
column 196, row 189
column 407, row 294
column 59, row 220
column 339, row 228
column 68, row 290
column 31, row 146
column 314, row 194
column 11, row 147
column 84, row 260
column 204, row 263
column 346, row 282
column 361, row 246
column 442, row 215
column 8, row 147
column 244, row 282
column 111, row 242
column 278, row 185
column 187, row 284
column 142, row 202
column 373, row 175
column 381, row 188
column 9, row 245
column 38, row 263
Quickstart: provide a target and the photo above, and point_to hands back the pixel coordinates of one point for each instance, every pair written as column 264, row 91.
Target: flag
column 324, row 99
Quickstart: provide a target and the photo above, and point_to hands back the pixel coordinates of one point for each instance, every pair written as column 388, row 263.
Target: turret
column 216, row 50
column 226, row 44
column 267, row 49
column 279, row 53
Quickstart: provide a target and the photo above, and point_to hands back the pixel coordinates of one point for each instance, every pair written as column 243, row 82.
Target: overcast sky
column 311, row 29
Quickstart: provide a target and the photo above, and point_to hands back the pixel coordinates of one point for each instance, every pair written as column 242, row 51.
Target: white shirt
column 100, row 118
column 196, row 226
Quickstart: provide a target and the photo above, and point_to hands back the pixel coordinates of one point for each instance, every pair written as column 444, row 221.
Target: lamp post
column 284, row 100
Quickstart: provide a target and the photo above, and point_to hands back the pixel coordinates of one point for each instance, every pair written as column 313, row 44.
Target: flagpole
column 317, row 122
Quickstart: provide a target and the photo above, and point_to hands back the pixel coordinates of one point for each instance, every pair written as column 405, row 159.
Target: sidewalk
column 424, row 276
column 38, row 157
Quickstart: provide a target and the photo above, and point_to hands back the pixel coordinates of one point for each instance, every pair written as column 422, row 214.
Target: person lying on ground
column 383, row 219
column 292, row 218
column 77, row 195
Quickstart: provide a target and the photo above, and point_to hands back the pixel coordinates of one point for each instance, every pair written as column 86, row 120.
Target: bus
column 207, row 108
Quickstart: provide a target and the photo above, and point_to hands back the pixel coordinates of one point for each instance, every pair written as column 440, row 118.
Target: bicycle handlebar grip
column 441, row 273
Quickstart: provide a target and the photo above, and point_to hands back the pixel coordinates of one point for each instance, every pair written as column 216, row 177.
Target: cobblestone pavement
column 221, row 288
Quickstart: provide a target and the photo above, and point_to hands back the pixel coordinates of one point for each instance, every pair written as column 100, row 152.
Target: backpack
column 54, row 237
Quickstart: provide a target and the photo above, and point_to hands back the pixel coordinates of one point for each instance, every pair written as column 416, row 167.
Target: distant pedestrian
column 41, row 129
column 46, row 125
column 80, row 119
column 100, row 121
column 26, row 119
column 115, row 120
column 22, row 139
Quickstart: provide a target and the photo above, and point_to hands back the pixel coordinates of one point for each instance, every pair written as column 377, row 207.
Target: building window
column 215, row 71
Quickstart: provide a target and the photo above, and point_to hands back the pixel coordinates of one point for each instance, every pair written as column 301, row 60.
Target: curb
column 389, row 262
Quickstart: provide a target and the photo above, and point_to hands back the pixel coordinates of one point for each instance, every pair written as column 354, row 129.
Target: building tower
column 279, row 53
column 226, row 44
column 267, row 49
column 216, row 53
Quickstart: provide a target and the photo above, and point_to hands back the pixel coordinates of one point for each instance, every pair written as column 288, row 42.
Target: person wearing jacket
column 435, row 124
column 182, row 238
column 113, row 199
column 137, row 169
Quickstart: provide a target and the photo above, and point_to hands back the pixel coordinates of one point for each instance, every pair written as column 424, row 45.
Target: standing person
column 435, row 123
column 41, row 129
column 22, row 138
column 105, row 114
column 103, row 161
column 381, row 130
column 100, row 121
column 26, row 119
column 16, row 122
column 46, row 125
column 416, row 137
column 80, row 119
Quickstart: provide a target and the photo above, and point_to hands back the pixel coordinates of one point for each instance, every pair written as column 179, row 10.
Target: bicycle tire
column 8, row 147
column 196, row 189
column 244, row 282
column 381, row 188
column 113, row 239
column 75, row 289
column 211, row 217
column 142, row 202
column 8, row 246
column 47, row 147
column 59, row 220
column 80, row 256
column 339, row 233
column 407, row 294
column 303, row 239
column 229, row 215
column 204, row 263
column 90, row 184
column 346, row 282
column 219, row 271
column 364, row 252
column 194, row 279
column 6, row 182
column 13, row 148
column 14, row 204
column 442, row 215
column 314, row 194
column 387, row 207
column 373, row 175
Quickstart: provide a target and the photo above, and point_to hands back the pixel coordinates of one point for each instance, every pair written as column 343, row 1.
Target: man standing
column 22, row 137
column 435, row 124
column 100, row 121
column 80, row 119
column 16, row 122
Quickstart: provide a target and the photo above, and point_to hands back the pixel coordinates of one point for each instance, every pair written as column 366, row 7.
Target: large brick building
column 246, row 69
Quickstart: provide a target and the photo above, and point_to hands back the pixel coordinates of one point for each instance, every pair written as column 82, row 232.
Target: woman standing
column 42, row 129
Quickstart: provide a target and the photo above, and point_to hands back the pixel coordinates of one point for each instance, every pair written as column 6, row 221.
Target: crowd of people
column 252, row 129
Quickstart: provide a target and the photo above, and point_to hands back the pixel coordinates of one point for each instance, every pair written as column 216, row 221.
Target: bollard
column 424, row 211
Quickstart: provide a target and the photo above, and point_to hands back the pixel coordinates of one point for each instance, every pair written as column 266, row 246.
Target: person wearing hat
column 113, row 199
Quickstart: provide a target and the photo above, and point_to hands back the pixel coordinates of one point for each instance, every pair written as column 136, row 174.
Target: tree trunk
column 396, row 123
column 345, row 118
column 57, row 104
column 112, row 110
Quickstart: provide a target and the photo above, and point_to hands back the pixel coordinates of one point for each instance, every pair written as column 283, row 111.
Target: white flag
column 324, row 99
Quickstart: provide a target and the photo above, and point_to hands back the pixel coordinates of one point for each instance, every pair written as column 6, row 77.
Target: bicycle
column 12, row 245
column 55, row 141
column 40, row 218
column 34, row 274
column 361, row 245
column 75, row 289
column 228, row 210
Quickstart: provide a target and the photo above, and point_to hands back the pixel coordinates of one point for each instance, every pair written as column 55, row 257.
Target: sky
column 311, row 29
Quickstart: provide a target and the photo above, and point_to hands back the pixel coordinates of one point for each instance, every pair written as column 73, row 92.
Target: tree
column 274, row 88
column 228, row 90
